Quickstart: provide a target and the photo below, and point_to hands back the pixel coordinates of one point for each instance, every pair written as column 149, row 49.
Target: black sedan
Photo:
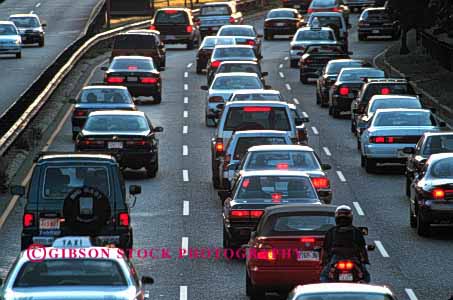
column 431, row 199
column 206, row 48
column 329, row 76
column 377, row 22
column 98, row 97
column 256, row 190
column 128, row 135
column 137, row 73
column 345, row 89
column 282, row 21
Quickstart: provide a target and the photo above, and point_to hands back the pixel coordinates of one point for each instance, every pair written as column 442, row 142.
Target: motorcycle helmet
column 343, row 215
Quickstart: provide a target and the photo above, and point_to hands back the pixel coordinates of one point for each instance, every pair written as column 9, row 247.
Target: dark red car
column 286, row 248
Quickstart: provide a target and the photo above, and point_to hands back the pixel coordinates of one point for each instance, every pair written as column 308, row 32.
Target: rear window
column 243, row 144
column 70, row 272
column 256, row 96
column 248, row 118
column 59, row 181
column 236, row 31
column 438, row 144
column 281, row 14
column 132, row 64
column 323, row 3
column 116, row 123
column 315, row 35
column 395, row 103
column 344, row 295
column 276, row 188
column 375, row 14
column 248, row 68
column 402, row 118
column 386, row 88
column 211, row 42
column 324, row 49
column 328, row 21
column 303, row 223
column 234, row 52
column 360, row 74
column 291, row 160
column 171, row 17
column 136, row 41
column 215, row 10
column 106, row 96
column 237, row 83
column 335, row 68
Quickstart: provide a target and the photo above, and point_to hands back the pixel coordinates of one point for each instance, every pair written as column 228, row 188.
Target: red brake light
column 91, row 142
column 132, row 68
column 266, row 255
column 385, row 91
column 115, row 79
column 28, row 220
column 438, row 194
column 336, row 9
column 344, row 91
column 256, row 213
column 345, row 265
column 189, row 28
column 150, row 80
column 152, row 27
column 240, row 213
column 219, row 147
column 80, row 113
column 382, row 139
column 282, row 166
column 215, row 99
column 231, row 20
column 276, row 197
column 256, row 109
column 170, row 11
column 251, row 42
column 215, row 63
column 320, row 182
column 307, row 240
column 390, row 139
column 137, row 143
column 245, row 183
column 124, row 219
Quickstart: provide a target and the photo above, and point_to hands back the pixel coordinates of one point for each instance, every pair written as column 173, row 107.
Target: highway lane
column 162, row 217
column 65, row 19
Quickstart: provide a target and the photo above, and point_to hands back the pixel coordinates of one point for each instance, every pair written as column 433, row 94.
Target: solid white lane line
column 358, row 208
column 186, row 100
column 381, row 249
column 186, row 114
column 185, row 245
column 315, row 131
column 186, row 86
column 286, row 57
column 326, row 150
column 341, row 176
column 183, row 292
column 185, row 129
column 304, row 113
column 38, row 5
column 410, row 293
column 185, row 175
column 281, row 74
column 288, row 87
column 280, row 66
column 186, row 74
column 185, row 208
column 185, row 150
column 189, row 66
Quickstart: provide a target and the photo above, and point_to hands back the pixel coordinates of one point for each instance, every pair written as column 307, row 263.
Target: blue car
column 10, row 40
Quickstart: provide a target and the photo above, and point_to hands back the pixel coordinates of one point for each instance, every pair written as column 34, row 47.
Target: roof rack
column 44, row 153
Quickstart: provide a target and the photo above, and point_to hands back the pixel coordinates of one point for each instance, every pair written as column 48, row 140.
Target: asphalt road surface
column 180, row 208
column 66, row 19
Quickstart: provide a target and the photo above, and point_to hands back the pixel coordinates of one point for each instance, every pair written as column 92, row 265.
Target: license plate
column 43, row 240
column 115, row 145
column 171, row 37
column 279, row 24
column 214, row 28
column 47, row 223
column 375, row 31
column 296, row 6
column 308, row 256
column 345, row 277
column 132, row 79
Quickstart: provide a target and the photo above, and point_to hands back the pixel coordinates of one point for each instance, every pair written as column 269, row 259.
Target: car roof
column 374, row 8
column 232, row 74
column 132, row 57
column 428, row 134
column 272, row 210
column 390, row 96
column 275, row 173
column 24, row 16
column 402, row 110
column 256, row 103
column 75, row 156
column 342, row 287
column 284, row 9
column 254, row 91
column 356, row 68
column 237, row 26
column 117, row 113
column 259, row 133
column 216, row 3
column 113, row 87
column 439, row 156
column 140, row 32
column 242, row 62
column 343, row 60
column 308, row 28
column 7, row 23
column 280, row 148
column 232, row 46
column 175, row 8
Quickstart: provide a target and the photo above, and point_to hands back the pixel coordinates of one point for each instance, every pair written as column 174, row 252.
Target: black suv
column 76, row 194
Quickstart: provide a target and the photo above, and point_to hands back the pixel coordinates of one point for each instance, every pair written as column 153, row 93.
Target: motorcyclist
column 344, row 241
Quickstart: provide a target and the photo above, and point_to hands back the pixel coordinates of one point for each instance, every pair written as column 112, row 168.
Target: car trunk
column 214, row 21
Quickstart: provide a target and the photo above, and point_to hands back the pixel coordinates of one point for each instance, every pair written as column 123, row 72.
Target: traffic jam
column 286, row 228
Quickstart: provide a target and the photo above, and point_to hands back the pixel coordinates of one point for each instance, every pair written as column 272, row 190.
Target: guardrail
column 439, row 50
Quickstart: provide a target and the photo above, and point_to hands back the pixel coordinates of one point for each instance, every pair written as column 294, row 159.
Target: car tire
column 412, row 219
column 408, row 187
column 190, row 45
column 370, row 165
column 164, row 62
column 199, row 69
column 293, row 63
column 157, row 98
column 318, row 99
column 19, row 55
column 423, row 228
column 359, row 144
column 330, row 110
column 335, row 112
column 362, row 37
column 152, row 168
column 226, row 243
column 353, row 127
column 362, row 161
column 268, row 36
column 248, row 284
column 215, row 180
column 41, row 43
column 74, row 135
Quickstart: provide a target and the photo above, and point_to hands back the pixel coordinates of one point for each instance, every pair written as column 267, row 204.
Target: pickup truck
column 216, row 14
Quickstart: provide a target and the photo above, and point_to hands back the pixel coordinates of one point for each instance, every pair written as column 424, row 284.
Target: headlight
column 18, row 42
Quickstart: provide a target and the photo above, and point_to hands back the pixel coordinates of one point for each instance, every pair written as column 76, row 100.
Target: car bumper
column 129, row 158
column 376, row 31
column 209, row 30
column 240, row 235
column 10, row 49
column 32, row 38
column 284, row 278
column 386, row 152
column 342, row 103
column 174, row 39
column 77, row 124
column 360, row 4
column 284, row 30
column 437, row 213
column 138, row 90
column 295, row 54
column 310, row 71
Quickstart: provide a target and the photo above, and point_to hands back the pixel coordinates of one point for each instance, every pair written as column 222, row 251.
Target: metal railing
column 439, row 50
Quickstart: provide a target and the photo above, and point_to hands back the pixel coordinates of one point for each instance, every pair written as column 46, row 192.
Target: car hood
column 9, row 38
column 401, row 130
column 117, row 133
column 71, row 293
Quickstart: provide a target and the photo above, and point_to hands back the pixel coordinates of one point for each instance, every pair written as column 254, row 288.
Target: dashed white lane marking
column 358, row 208
column 381, row 249
column 315, row 131
column 186, row 86
column 185, row 175
column 185, row 247
column 410, row 293
column 189, row 66
column 326, row 150
column 183, row 292
column 185, row 129
column 280, row 66
column 186, row 74
column 185, row 150
column 288, row 87
column 38, row 5
column 304, row 114
column 185, row 208
column 186, row 114
column 186, row 100
column 286, row 57
column 295, row 100
column 341, row 176
column 281, row 74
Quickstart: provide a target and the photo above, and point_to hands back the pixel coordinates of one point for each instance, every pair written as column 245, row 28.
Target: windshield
column 257, row 96
column 323, row 3
column 438, row 144
column 70, row 272
column 247, row 68
column 276, row 188
column 132, row 64
column 105, row 96
column 135, row 41
column 116, row 123
column 237, row 83
column 281, row 14
column 59, row 181
column 394, row 103
column 375, row 14
column 312, row 35
column 360, row 74
column 257, row 118
column 335, row 68
column 402, row 118
column 25, row 22
column 211, row 42
column 236, row 31
column 234, row 52
column 245, row 143
column 215, row 10
column 8, row 30
column 302, row 223
column 291, row 160
column 329, row 21
column 171, row 17
column 344, row 296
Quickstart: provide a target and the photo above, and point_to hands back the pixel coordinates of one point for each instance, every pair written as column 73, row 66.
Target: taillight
column 256, row 213
column 297, row 47
column 345, row 265
column 170, row 11
column 382, row 139
column 336, row 9
column 137, row 143
column 266, row 254
column 91, row 142
column 80, row 113
column 149, row 80
column 282, row 166
column 189, row 28
column 256, row 109
column 385, row 91
column 123, row 219
column 28, row 220
column 276, row 198
column 307, row 61
column 215, row 99
column 115, row 79
column 152, row 27
column 132, row 68
column 239, row 213
column 320, row 182
column 215, row 63
column 245, row 183
column 219, row 146
column 251, row 42
column 307, row 240
column 231, row 20
column 438, row 194
column 344, row 91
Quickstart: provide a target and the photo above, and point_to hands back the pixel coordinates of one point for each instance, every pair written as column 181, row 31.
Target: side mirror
column 220, row 106
column 72, row 101
column 267, row 87
column 104, row 68
column 264, row 74
column 204, row 87
column 147, row 280
column 135, row 189
column 17, row 190
column 43, row 25
column 158, row 129
column 442, row 124
column 326, row 167
column 408, row 150
column 370, row 247
column 364, row 230
column 350, row 53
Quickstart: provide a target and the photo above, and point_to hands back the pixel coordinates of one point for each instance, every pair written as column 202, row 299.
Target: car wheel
column 164, row 61
column 225, row 240
column 152, row 168
column 324, row 103
column 74, row 135
column 293, row 63
column 248, row 284
column 412, row 218
column 362, row 160
column 215, row 180
column 158, row 98
column 408, row 187
column 330, row 110
column 370, row 165
column 19, row 55
column 335, row 112
column 361, row 37
column 423, row 228
column 353, row 128
column 190, row 45
column 199, row 69
column 257, row 293
column 318, row 99
column 41, row 43
column 359, row 144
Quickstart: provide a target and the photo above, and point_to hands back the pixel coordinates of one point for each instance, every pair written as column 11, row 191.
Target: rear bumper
column 377, row 31
column 239, row 235
column 10, row 50
column 176, row 39
column 130, row 158
column 283, row 278
column 360, row 4
column 309, row 71
column 32, row 38
column 438, row 216
column 342, row 103
column 385, row 152
column 138, row 90
column 210, row 30
column 284, row 30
